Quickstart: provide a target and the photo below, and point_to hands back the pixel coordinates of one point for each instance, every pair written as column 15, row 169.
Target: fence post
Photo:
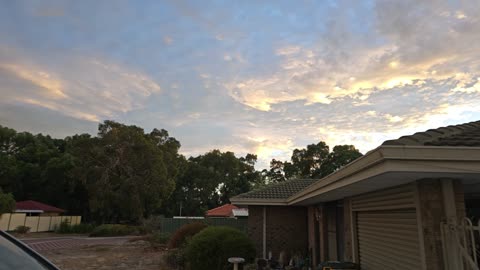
column 38, row 223
column 9, row 219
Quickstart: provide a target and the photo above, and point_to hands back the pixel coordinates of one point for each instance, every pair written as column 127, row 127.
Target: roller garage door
column 387, row 230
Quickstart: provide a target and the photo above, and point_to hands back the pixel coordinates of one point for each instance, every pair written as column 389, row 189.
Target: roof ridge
column 431, row 135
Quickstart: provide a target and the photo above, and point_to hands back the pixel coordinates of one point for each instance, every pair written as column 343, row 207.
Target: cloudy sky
column 247, row 76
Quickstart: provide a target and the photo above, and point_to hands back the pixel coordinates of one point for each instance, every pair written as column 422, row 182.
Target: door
column 388, row 240
column 386, row 229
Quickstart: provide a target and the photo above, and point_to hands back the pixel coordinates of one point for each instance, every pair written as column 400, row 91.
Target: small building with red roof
column 34, row 208
column 227, row 210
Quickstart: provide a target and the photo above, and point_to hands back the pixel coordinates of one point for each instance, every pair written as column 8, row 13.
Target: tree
column 8, row 163
column 314, row 161
column 210, row 180
column 7, row 202
column 127, row 173
column 339, row 157
column 307, row 161
column 24, row 159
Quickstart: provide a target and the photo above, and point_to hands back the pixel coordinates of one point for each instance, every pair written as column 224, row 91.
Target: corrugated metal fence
column 9, row 222
column 170, row 225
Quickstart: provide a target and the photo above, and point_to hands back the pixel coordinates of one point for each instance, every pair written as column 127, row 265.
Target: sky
column 261, row 77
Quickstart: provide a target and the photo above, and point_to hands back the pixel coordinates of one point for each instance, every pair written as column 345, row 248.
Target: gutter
column 247, row 201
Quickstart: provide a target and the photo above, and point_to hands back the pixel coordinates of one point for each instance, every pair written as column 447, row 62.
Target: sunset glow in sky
column 246, row 76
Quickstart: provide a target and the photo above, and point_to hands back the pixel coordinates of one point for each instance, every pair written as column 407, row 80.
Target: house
column 402, row 205
column 34, row 208
column 227, row 211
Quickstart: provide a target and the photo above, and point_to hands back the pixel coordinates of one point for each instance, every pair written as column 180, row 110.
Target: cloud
column 429, row 42
column 38, row 77
column 85, row 88
column 167, row 40
column 249, row 78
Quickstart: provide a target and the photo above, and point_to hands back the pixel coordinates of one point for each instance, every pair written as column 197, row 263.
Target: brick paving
column 69, row 242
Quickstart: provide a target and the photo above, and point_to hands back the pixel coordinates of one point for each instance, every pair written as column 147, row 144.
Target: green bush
column 158, row 239
column 152, row 224
column 175, row 258
column 7, row 202
column 211, row 248
column 65, row 227
column 113, row 230
column 142, row 230
column 22, row 229
column 185, row 232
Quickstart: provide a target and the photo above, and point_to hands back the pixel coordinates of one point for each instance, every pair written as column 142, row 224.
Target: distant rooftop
column 221, row 211
column 34, row 206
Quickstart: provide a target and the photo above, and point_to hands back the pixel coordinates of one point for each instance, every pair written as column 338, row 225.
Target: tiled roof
column 459, row 135
column 34, row 205
column 281, row 190
column 221, row 211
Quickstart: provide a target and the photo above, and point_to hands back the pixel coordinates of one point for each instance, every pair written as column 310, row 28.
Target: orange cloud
column 38, row 77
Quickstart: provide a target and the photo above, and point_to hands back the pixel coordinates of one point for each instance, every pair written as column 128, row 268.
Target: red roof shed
column 38, row 207
column 221, row 211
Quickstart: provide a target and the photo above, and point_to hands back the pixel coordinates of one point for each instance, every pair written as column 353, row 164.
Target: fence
column 170, row 225
column 460, row 245
column 9, row 222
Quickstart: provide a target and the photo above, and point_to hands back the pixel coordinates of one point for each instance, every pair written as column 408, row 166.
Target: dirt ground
column 129, row 255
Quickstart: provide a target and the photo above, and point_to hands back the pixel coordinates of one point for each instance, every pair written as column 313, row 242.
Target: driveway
column 69, row 242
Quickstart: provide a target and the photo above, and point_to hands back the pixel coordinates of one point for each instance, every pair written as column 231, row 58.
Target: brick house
column 400, row 206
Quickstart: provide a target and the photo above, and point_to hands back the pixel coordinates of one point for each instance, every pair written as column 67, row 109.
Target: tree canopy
column 209, row 181
column 7, row 203
column 124, row 174
column 314, row 161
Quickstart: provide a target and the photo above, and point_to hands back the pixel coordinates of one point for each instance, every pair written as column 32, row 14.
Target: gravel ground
column 129, row 255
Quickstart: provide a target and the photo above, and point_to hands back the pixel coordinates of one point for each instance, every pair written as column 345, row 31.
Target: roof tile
column 460, row 135
column 281, row 190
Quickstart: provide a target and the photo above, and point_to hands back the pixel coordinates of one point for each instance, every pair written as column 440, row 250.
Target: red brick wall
column 286, row 229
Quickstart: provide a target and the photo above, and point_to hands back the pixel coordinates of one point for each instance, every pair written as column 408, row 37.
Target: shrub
column 22, row 229
column 161, row 238
column 65, row 227
column 152, row 224
column 211, row 248
column 113, row 230
column 183, row 233
column 157, row 239
column 141, row 230
column 175, row 258
column 7, row 202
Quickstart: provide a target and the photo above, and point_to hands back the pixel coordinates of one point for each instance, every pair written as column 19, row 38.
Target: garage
column 386, row 229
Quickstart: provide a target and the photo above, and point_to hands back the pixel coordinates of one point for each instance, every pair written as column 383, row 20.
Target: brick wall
column 286, row 229
column 255, row 229
column 431, row 207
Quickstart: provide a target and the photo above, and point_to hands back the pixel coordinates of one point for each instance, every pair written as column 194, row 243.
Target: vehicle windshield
column 14, row 258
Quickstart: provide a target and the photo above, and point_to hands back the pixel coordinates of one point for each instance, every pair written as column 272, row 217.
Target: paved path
column 68, row 242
